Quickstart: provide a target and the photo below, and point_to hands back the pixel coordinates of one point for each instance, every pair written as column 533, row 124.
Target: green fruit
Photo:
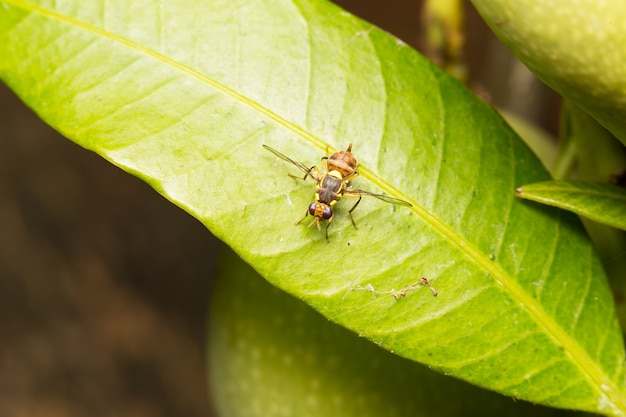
column 271, row 355
column 576, row 47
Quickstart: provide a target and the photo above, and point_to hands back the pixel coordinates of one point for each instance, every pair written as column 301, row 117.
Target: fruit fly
column 339, row 169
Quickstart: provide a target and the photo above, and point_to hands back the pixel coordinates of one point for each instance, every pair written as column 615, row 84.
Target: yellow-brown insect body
column 327, row 192
column 343, row 162
column 339, row 169
column 330, row 188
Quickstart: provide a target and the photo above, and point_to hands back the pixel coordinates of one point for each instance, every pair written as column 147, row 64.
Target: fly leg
column 305, row 215
column 324, row 162
column 307, row 174
column 327, row 226
column 352, row 209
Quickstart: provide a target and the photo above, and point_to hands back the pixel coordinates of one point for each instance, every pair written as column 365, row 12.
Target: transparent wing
column 301, row 166
column 354, row 193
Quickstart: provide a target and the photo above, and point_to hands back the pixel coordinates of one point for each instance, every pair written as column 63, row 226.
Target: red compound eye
column 320, row 210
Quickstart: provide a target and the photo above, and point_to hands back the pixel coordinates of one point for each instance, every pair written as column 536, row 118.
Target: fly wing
column 300, row 165
column 353, row 192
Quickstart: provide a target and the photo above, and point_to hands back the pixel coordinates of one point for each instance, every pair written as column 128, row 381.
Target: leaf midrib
column 579, row 355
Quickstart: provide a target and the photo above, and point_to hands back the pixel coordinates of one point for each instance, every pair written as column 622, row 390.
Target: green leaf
column 601, row 202
column 592, row 153
column 184, row 94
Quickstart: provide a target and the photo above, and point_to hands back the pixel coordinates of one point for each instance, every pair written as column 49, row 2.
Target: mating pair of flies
column 333, row 184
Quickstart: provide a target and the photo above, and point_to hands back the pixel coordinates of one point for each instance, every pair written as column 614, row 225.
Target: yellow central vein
column 516, row 292
column 579, row 355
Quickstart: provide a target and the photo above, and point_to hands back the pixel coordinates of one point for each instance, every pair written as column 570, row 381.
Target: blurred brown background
column 104, row 284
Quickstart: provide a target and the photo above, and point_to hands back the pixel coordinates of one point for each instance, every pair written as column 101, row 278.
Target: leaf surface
column 184, row 93
column 601, row 202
